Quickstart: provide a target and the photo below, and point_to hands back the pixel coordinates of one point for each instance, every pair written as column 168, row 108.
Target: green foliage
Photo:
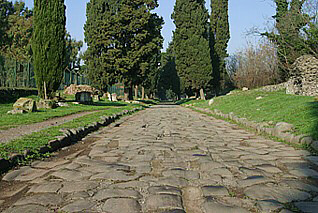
column 6, row 8
column 219, row 38
column 296, row 34
column 169, row 81
column 123, row 40
column 191, row 44
column 48, row 44
column 73, row 47
column 19, row 33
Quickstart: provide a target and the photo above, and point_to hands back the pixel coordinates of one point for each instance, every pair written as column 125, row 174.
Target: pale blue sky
column 243, row 14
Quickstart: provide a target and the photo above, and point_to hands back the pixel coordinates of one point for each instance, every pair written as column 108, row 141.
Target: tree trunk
column 126, row 94
column 202, row 96
column 143, row 93
column 136, row 92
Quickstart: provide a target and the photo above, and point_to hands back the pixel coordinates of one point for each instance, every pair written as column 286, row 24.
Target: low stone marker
column 84, row 97
column 114, row 97
column 46, row 104
column 23, row 105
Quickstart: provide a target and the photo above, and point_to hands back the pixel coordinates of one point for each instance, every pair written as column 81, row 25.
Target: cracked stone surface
column 174, row 160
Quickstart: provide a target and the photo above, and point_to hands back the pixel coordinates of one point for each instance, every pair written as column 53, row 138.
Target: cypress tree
column 219, row 38
column 101, row 30
column 191, row 45
column 48, row 45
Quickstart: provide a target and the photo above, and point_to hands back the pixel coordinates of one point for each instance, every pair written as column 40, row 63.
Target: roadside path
column 13, row 133
column 173, row 160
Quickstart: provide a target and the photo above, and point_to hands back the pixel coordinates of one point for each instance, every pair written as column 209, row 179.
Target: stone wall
column 273, row 88
column 304, row 77
column 13, row 94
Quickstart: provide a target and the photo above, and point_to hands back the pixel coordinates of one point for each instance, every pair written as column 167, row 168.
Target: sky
column 243, row 16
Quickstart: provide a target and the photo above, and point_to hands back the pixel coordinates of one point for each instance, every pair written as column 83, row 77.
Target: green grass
column 36, row 140
column 8, row 121
column 301, row 111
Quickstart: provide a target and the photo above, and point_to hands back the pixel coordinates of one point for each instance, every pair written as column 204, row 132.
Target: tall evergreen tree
column 122, row 37
column 49, row 45
column 191, row 45
column 101, row 35
column 6, row 8
column 219, row 38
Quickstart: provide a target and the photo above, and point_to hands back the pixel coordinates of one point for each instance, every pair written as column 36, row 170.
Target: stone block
column 26, row 104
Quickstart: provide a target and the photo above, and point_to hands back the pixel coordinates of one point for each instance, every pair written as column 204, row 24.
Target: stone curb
column 69, row 137
column 281, row 130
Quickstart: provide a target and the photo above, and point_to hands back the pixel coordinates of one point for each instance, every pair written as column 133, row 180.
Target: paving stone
column 304, row 173
column 41, row 199
column 71, row 175
column 313, row 159
column 78, row 186
column 163, row 201
column 27, row 208
column 116, row 193
column 281, row 194
column 49, row 164
column 120, row 205
column 215, row 191
column 212, row 206
column 24, row 174
column 187, row 174
column 115, row 176
column 297, row 184
column 131, row 184
column 269, row 168
column 1, row 202
column 173, row 181
column 310, row 207
column 164, row 190
column 253, row 180
column 16, row 190
column 78, row 206
column 269, row 205
column 45, row 188
column 221, row 171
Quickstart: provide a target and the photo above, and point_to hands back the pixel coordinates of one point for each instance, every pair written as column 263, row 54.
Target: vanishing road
column 168, row 159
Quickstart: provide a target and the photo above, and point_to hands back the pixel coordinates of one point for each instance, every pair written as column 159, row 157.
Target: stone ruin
column 304, row 77
column 23, row 105
column 73, row 89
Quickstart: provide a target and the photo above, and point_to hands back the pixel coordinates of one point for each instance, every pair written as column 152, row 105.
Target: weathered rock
column 46, row 188
column 309, row 207
column 215, row 191
column 73, row 89
column 78, row 206
column 164, row 190
column 116, row 193
column 304, row 77
column 281, row 194
column 27, row 208
column 120, row 205
column 83, row 97
column 163, row 201
column 46, row 104
column 26, row 104
column 211, row 102
column 212, row 206
column 41, row 199
column 81, row 186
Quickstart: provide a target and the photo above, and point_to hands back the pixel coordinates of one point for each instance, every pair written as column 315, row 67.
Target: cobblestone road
column 173, row 160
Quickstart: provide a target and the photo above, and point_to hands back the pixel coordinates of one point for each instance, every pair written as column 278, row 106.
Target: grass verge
column 36, row 140
column 8, row 121
column 271, row 107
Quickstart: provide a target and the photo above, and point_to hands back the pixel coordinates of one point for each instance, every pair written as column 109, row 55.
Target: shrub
column 254, row 66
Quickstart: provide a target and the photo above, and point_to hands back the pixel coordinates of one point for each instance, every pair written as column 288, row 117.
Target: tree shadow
column 314, row 113
column 117, row 104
